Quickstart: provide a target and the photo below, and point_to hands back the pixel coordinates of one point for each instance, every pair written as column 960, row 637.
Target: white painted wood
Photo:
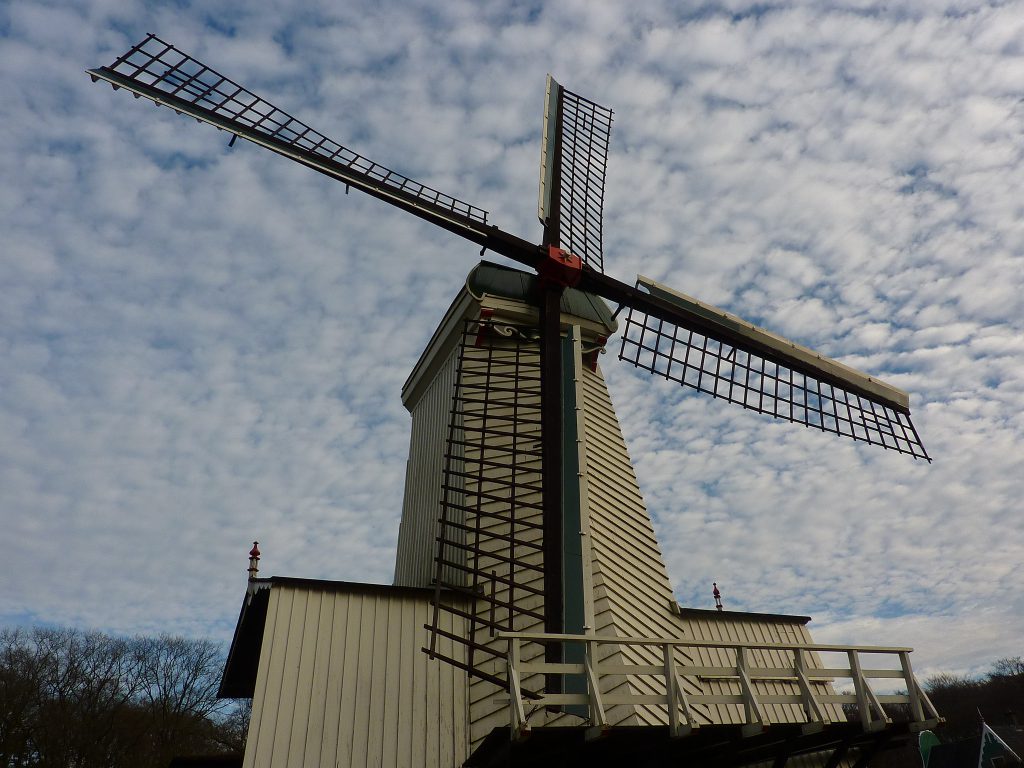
column 342, row 681
column 576, row 334
column 754, row 703
column 631, row 594
column 812, row 707
column 421, row 506
column 598, row 717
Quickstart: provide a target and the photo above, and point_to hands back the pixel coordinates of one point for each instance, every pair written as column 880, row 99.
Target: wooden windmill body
column 622, row 583
column 525, row 550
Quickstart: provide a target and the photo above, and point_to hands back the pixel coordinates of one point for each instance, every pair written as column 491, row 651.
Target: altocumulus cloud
column 204, row 345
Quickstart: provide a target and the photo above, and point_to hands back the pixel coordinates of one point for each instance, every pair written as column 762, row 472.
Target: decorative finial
column 254, row 563
column 717, row 594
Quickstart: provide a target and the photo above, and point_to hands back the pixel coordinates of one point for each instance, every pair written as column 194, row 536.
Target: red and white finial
column 717, row 594
column 254, row 561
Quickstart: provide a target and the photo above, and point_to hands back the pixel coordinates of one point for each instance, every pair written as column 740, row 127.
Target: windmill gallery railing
column 684, row 692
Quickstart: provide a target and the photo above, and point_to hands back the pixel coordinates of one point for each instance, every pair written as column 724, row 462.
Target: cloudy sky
column 202, row 346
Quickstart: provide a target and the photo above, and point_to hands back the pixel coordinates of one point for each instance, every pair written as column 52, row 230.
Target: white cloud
column 205, row 346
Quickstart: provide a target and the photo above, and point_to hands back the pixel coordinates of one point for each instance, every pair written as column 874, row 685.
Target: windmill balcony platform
column 754, row 703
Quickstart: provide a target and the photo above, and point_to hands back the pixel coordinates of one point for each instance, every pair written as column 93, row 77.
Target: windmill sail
column 667, row 333
column 717, row 353
column 574, row 161
column 490, row 533
column 156, row 70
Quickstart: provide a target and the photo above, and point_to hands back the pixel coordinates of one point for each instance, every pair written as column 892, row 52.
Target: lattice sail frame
column 586, row 135
column 576, row 133
column 752, row 377
column 157, row 70
column 574, row 165
column 490, row 532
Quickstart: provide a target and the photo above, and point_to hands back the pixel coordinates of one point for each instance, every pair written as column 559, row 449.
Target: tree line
column 963, row 700
column 76, row 699
column 998, row 696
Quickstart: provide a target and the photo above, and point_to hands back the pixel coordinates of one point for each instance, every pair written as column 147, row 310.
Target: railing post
column 863, row 707
column 752, row 712
column 671, row 695
column 930, row 709
column 812, row 707
column 517, row 716
column 916, row 710
column 597, row 715
column 866, row 697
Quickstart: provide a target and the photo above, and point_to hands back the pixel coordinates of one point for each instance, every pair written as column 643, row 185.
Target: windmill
column 666, row 333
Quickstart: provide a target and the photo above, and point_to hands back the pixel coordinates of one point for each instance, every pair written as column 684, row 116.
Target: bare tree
column 1010, row 667
column 73, row 699
column 235, row 725
column 88, row 684
column 179, row 690
column 21, row 671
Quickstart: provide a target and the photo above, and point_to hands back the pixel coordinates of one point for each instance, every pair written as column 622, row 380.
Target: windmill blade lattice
column 586, row 134
column 156, row 70
column 574, row 165
column 750, row 375
column 490, row 532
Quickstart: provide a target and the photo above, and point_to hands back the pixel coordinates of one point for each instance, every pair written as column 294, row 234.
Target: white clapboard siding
column 633, row 595
column 417, row 533
column 342, row 682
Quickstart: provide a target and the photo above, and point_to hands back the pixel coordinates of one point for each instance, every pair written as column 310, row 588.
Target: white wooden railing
column 813, row 685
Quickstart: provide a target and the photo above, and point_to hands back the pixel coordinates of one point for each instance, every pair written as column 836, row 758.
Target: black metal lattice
column 490, row 533
column 756, row 381
column 158, row 65
column 585, row 135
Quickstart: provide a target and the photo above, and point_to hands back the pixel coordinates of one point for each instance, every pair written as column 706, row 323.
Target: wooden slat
column 342, row 682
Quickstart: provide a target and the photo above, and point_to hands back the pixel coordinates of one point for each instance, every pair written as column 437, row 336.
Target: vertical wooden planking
column 285, row 650
column 319, row 673
column 394, row 611
column 431, row 747
column 366, row 652
column 334, row 680
column 303, row 671
column 260, row 713
column 341, row 681
column 446, row 693
column 415, row 668
column 375, row 660
column 350, row 689
column 460, row 706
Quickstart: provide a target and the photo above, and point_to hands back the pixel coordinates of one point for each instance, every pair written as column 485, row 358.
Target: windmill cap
column 510, row 283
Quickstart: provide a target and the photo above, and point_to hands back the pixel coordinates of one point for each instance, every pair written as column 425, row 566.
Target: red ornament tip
column 255, row 551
